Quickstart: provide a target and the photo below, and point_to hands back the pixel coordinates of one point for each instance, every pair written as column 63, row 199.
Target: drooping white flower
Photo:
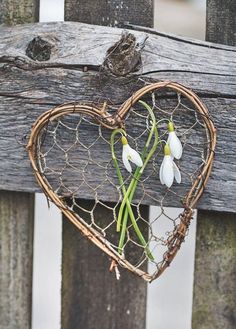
column 177, row 173
column 174, row 142
column 168, row 170
column 129, row 154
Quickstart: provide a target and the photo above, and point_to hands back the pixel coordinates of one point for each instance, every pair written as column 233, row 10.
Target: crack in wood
column 178, row 38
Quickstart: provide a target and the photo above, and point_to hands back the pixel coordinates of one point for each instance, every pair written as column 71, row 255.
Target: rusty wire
column 61, row 133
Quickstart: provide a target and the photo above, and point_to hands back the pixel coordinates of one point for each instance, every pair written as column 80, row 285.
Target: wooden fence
column 29, row 87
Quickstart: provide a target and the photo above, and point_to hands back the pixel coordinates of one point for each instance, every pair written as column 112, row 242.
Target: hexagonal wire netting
column 74, row 157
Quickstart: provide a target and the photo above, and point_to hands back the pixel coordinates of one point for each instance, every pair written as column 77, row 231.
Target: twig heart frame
column 111, row 122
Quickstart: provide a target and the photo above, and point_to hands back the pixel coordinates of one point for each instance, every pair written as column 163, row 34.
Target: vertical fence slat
column 91, row 296
column 221, row 22
column 16, row 250
column 214, row 301
column 214, row 305
column 19, row 11
column 16, row 217
column 110, row 13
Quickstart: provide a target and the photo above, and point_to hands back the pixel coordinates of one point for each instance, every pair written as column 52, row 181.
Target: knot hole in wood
column 124, row 57
column 39, row 49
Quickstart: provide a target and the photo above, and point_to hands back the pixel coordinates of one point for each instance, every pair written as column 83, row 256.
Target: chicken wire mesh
column 71, row 154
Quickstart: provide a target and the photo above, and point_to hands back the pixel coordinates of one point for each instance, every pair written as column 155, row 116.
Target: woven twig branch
column 111, row 122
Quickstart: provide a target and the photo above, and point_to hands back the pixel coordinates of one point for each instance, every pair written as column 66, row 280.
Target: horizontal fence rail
column 71, row 71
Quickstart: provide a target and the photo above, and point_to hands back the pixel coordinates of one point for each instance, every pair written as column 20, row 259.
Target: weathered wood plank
column 14, row 12
column 221, row 22
column 110, row 13
column 214, row 303
column 30, row 87
column 209, row 69
column 16, row 251
column 91, row 295
column 102, row 302
column 16, row 217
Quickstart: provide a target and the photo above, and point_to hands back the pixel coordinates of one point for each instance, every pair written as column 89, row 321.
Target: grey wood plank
column 221, row 22
column 77, row 46
column 102, row 301
column 14, row 12
column 214, row 303
column 16, row 216
column 91, row 295
column 72, row 73
column 16, row 252
column 110, row 13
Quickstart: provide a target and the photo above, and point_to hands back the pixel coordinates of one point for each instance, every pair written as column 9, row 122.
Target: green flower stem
column 139, row 171
column 129, row 209
column 163, row 120
column 133, row 184
column 118, row 172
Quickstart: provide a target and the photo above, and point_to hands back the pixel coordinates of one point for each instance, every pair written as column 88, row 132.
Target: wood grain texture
column 110, row 13
column 91, row 295
column 16, row 217
column 14, row 12
column 102, row 301
column 29, row 88
column 221, row 21
column 214, row 303
column 16, row 251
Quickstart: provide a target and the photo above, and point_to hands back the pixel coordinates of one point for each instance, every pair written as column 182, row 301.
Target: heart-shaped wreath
column 82, row 151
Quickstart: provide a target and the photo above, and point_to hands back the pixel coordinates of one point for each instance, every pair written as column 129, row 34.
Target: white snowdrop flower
column 168, row 170
column 129, row 154
column 174, row 142
column 177, row 173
